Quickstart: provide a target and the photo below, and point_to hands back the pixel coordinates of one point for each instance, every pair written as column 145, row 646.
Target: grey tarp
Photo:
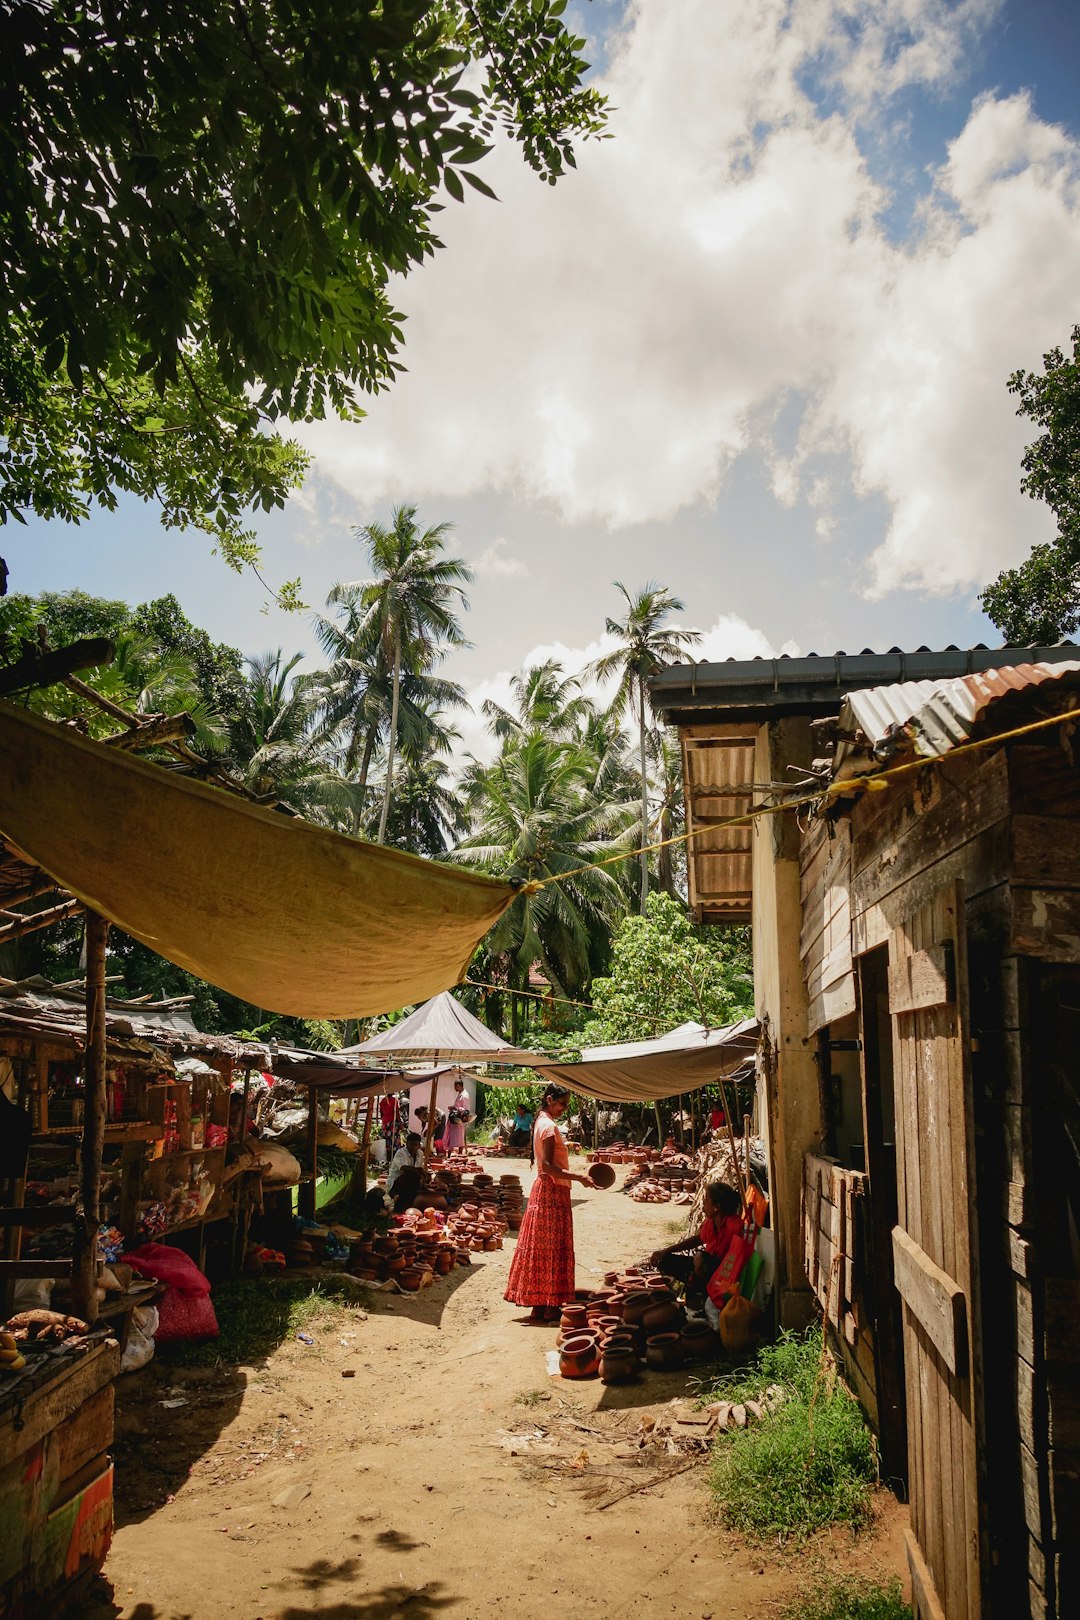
column 643, row 1071
column 441, row 1031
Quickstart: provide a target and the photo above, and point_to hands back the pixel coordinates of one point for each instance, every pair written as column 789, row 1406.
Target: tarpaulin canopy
column 290, row 917
column 329, row 1072
column 643, row 1071
column 442, row 1031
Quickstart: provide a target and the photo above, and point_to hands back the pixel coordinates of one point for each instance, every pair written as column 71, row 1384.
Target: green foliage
column 808, row 1464
column 196, row 448
column 666, row 970
column 246, row 180
column 852, row 1597
column 1039, row 602
column 256, row 1314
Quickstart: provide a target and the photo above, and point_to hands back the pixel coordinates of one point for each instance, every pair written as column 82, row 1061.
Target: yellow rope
column 875, row 783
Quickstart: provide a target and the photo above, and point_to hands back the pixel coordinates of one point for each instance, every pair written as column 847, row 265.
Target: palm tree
column 644, row 646
column 408, row 610
column 537, row 816
column 277, row 743
column 544, row 699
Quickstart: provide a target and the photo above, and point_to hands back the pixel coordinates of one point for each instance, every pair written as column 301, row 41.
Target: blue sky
column 756, row 348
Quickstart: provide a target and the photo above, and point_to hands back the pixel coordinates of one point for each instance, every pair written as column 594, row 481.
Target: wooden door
column 933, row 1250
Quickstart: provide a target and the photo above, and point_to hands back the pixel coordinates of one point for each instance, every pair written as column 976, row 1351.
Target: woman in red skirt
column 542, row 1271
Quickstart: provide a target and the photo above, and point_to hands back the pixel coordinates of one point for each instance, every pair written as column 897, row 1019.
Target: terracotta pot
column 663, row 1349
column 698, row 1340
column 602, row 1176
column 491, row 1244
column 622, row 1341
column 635, row 1305
column 618, row 1364
column 573, row 1318
column 410, row 1278
column 662, row 1316
column 579, row 1357
column 607, row 1324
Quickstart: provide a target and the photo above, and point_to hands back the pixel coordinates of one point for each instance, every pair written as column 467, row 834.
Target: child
column 694, row 1259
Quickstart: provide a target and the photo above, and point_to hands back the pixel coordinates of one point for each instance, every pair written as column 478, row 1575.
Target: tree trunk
column 84, row 1264
column 644, row 797
column 392, row 745
column 365, row 766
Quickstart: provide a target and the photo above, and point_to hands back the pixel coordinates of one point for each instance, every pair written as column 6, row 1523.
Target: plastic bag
column 140, row 1342
column 736, row 1323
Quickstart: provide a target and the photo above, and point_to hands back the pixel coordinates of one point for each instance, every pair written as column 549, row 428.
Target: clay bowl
column 602, row 1176
column 618, row 1364
column 621, row 1341
column 663, row 1349
column 579, row 1357
column 606, row 1324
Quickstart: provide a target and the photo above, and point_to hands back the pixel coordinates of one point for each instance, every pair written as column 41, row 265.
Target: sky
column 755, row 347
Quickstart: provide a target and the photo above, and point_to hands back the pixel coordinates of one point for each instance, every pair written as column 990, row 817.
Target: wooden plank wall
column 834, row 1252
column 825, row 935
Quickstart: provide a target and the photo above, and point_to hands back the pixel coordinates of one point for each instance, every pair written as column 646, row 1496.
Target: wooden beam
column 38, row 667
column 154, row 732
column 923, row 979
column 84, row 1267
column 37, row 1216
column 927, row 1604
column 934, row 1299
column 31, row 922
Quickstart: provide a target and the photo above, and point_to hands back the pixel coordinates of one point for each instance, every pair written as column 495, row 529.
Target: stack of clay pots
column 477, row 1226
column 511, row 1201
column 634, row 1319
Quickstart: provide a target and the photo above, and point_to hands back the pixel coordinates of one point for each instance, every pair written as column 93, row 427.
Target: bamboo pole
column 430, row 1132
column 88, row 1219
column 731, row 1142
column 365, row 1145
column 746, row 1148
column 682, row 1125
column 306, row 1199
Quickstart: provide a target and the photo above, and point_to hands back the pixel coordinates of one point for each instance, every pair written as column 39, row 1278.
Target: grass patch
column 809, row 1464
column 852, row 1598
column 255, row 1315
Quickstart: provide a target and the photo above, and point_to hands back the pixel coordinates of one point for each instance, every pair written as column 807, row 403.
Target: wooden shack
column 919, row 950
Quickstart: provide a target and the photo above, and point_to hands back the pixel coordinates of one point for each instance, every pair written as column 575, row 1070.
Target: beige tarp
column 643, row 1071
column 285, row 915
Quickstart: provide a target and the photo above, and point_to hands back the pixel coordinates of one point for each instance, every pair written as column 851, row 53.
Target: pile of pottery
column 476, row 1226
column 459, row 1164
column 662, row 1181
column 511, row 1201
column 411, row 1256
column 620, row 1153
column 634, row 1319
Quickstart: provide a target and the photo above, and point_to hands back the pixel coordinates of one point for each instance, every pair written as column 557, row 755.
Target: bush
column 808, row 1464
column 852, row 1598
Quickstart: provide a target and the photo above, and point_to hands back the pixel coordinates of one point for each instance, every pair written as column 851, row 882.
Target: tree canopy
column 1040, row 600
column 250, row 176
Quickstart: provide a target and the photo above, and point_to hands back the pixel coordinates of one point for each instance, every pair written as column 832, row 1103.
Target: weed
column 851, row 1598
column 255, row 1315
column 809, row 1463
column 532, row 1397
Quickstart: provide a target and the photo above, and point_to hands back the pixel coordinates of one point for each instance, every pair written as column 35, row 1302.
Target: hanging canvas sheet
column 288, row 916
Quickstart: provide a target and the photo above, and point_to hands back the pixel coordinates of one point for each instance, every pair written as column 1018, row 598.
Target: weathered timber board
column 934, row 1299
column 925, row 978
column 1046, row 924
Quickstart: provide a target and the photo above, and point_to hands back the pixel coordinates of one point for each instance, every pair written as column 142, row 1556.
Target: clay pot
column 398, row 1264
column 602, row 1176
column 618, row 1364
column 579, row 1357
column 573, row 1319
column 491, row 1244
column 635, row 1305
column 697, row 1340
column 665, row 1314
column 663, row 1349
column 606, row 1324
column 410, row 1278
column 622, row 1341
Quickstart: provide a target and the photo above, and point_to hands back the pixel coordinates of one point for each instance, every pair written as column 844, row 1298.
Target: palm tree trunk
column 392, row 745
column 644, row 797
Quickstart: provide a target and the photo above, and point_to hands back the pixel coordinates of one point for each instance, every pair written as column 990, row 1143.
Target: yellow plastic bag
column 736, row 1323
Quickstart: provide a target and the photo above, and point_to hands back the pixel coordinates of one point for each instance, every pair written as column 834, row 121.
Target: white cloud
column 611, row 345
column 498, row 560
column 729, row 637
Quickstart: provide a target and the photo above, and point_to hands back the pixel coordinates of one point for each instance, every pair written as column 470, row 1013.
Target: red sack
column 186, row 1310
column 725, row 1279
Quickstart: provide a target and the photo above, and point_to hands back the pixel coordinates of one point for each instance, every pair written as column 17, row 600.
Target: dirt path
column 285, row 1489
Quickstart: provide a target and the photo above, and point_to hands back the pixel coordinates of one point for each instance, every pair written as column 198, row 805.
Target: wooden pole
column 682, row 1126
column 306, row 1200
column 88, row 1218
column 244, row 1107
column 746, row 1149
column 693, row 1122
column 430, row 1132
column 365, row 1145
column 731, row 1141
column 659, row 1128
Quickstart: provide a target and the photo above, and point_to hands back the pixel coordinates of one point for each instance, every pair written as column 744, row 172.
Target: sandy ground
column 285, row 1489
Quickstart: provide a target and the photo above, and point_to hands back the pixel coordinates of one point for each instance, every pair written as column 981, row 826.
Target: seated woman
column 694, row 1259
column 521, row 1129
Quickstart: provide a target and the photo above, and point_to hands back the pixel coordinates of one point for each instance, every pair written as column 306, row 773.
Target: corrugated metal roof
column 932, row 717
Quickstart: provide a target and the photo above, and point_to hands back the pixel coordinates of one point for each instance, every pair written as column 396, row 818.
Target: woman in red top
column 542, row 1270
column 694, row 1259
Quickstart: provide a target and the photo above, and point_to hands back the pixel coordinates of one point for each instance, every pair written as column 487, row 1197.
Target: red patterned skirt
column 542, row 1270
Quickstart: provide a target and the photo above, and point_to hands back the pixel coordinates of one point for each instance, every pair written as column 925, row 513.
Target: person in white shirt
column 406, row 1172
